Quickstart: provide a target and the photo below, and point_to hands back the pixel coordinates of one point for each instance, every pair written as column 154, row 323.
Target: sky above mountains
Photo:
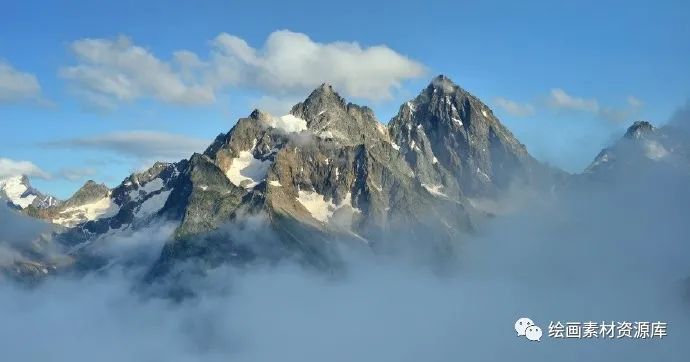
column 96, row 90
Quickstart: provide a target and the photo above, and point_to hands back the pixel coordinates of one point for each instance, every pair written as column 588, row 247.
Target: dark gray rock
column 454, row 142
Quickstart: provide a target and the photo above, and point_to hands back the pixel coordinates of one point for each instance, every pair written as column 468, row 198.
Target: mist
column 589, row 252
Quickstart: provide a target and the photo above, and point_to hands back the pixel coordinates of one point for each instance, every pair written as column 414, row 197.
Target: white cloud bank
column 111, row 71
column 116, row 70
column 292, row 61
column 16, row 86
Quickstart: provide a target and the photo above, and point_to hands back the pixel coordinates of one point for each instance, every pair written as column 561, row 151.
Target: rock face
column 325, row 176
column 455, row 144
column 328, row 116
column 330, row 174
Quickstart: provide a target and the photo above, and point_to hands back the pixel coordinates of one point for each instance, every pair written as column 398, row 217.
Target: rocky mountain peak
column 444, row 101
column 260, row 115
column 443, row 84
column 642, row 145
column 21, row 194
column 324, row 88
column 453, row 141
column 321, row 100
column 89, row 192
column 329, row 116
column 639, row 129
column 15, row 189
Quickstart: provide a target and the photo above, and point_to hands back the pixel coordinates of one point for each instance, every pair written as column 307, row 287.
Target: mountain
column 19, row 193
column 327, row 171
column 643, row 147
column 27, row 252
column 328, row 175
column 456, row 146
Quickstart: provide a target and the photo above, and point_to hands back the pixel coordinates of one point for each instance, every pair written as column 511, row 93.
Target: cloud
column 16, row 86
column 142, row 145
column 290, row 61
column 385, row 310
column 577, row 247
column 76, row 173
column 10, row 168
column 615, row 115
column 558, row 98
column 514, row 108
column 275, row 105
column 112, row 71
column 681, row 117
column 635, row 102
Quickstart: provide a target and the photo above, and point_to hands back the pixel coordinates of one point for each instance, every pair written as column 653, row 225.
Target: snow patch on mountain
column 319, row 208
column 247, row 169
column 46, row 202
column 152, row 205
column 434, row 189
column 150, row 187
column 332, row 134
column 102, row 208
column 15, row 189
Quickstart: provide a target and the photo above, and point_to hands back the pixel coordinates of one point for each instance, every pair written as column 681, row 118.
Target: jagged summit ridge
column 454, row 142
column 639, row 129
column 450, row 145
column 329, row 116
column 328, row 170
column 443, row 84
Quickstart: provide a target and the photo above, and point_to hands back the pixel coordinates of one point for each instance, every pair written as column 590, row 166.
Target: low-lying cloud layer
column 591, row 252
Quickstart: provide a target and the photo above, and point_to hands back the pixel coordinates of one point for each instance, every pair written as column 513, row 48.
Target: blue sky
column 565, row 77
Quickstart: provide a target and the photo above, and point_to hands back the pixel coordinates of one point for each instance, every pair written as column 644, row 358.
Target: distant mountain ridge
column 644, row 145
